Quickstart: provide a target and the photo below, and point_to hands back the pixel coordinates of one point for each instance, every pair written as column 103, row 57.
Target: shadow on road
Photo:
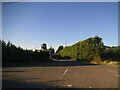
column 49, row 64
column 19, row 84
column 60, row 63
column 12, row 71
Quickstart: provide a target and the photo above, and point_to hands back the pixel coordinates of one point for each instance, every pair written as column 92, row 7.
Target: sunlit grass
column 106, row 62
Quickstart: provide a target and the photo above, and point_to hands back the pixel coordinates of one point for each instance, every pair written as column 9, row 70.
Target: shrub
column 97, row 59
column 84, row 50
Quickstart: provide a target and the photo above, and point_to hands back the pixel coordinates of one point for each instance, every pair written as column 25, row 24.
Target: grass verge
column 106, row 62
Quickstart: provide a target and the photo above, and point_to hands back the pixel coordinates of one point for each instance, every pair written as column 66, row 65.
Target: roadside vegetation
column 13, row 55
column 92, row 50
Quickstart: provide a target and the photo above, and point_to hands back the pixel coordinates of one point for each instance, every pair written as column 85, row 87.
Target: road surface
column 64, row 74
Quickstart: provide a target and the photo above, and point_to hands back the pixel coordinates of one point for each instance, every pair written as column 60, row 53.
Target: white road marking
column 64, row 73
column 69, row 85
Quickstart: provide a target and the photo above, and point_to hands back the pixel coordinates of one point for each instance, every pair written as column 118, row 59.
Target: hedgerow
column 85, row 50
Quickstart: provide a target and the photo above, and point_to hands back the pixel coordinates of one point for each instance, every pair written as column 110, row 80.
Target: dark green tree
column 84, row 50
column 16, row 55
column 44, row 46
column 59, row 49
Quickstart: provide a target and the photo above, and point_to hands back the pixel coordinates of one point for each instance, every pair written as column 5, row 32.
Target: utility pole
column 65, row 43
column 50, row 45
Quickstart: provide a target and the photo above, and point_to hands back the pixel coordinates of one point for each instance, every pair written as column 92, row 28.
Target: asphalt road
column 64, row 74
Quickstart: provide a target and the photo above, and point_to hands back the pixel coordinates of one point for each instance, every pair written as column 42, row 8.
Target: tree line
column 90, row 49
column 13, row 54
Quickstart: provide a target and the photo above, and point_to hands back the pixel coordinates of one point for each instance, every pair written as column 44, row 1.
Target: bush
column 13, row 54
column 84, row 50
column 97, row 59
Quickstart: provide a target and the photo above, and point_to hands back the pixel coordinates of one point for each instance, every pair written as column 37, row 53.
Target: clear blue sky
column 31, row 24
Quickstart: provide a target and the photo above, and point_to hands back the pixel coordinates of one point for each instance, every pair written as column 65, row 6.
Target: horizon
column 33, row 49
column 29, row 24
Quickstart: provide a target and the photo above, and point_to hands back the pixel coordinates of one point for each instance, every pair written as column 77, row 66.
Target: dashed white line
column 66, row 70
column 64, row 73
column 69, row 85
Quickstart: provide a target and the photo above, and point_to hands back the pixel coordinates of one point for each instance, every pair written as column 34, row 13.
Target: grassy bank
column 107, row 62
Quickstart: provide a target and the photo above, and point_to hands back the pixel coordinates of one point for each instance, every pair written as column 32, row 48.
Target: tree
column 84, row 50
column 15, row 55
column 59, row 49
column 44, row 46
column 9, row 44
column 97, row 40
column 51, row 50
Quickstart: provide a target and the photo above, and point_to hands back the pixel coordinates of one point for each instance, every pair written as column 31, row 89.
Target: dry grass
column 112, row 63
